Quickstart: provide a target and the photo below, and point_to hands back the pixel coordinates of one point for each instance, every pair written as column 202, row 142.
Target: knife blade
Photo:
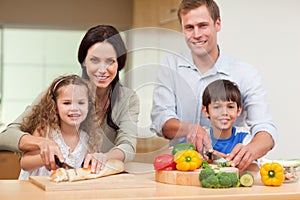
column 215, row 156
column 62, row 164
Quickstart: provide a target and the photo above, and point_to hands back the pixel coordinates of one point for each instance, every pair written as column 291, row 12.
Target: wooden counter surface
column 147, row 188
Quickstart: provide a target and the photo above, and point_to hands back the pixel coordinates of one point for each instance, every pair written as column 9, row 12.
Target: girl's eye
column 82, row 102
column 67, row 103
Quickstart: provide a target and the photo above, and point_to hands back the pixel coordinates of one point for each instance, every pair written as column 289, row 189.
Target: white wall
column 262, row 33
column 266, row 34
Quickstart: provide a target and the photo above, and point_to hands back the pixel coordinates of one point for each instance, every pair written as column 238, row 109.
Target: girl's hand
column 97, row 161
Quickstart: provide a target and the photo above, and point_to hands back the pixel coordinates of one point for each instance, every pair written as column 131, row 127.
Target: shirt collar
column 221, row 65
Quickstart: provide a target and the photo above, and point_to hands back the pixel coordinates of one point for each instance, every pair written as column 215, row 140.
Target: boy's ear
column 239, row 111
column 205, row 111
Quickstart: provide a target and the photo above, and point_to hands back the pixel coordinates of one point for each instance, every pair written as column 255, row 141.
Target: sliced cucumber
column 246, row 179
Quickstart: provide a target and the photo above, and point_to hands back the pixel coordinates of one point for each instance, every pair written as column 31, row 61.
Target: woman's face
column 101, row 64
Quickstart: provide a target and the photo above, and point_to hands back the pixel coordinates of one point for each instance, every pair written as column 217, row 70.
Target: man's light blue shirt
column 179, row 88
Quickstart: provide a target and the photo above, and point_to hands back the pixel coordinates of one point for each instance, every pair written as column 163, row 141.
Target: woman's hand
column 48, row 150
column 97, row 161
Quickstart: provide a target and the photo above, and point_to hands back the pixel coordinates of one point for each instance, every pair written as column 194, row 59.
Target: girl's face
column 101, row 64
column 72, row 104
column 222, row 114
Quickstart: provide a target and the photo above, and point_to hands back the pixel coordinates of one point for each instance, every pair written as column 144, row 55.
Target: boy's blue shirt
column 226, row 145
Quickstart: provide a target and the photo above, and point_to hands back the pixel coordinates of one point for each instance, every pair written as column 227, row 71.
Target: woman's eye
column 110, row 61
column 94, row 60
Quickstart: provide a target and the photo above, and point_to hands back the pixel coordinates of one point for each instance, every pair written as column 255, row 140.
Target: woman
column 102, row 54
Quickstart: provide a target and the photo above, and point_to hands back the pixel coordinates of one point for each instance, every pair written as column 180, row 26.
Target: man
column 182, row 78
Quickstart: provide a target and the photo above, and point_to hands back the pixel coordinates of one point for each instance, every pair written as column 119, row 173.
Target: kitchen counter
column 144, row 186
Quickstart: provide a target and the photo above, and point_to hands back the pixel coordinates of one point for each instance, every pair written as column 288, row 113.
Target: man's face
column 200, row 31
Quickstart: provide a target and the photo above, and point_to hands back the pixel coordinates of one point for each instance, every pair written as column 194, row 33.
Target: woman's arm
column 127, row 119
column 13, row 139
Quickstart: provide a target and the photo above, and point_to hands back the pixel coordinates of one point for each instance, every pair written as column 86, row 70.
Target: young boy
column 222, row 104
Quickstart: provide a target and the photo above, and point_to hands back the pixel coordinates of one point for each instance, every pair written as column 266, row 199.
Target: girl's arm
column 31, row 160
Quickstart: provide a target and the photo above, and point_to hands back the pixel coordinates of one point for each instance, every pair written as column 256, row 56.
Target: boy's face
column 222, row 114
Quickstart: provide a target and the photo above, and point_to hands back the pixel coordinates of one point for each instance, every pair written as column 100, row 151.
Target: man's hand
column 242, row 156
column 194, row 133
column 199, row 137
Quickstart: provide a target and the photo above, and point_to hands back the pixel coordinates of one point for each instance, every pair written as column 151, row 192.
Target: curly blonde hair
column 44, row 116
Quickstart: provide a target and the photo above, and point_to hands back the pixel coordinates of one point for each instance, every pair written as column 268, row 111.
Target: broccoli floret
column 224, row 180
column 224, row 164
column 210, row 182
column 205, row 164
column 206, row 173
column 210, row 179
column 235, row 182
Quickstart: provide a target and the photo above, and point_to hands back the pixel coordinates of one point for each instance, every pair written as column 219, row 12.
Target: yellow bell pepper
column 187, row 160
column 272, row 174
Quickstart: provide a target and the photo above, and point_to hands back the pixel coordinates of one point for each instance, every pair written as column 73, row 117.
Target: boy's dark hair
column 187, row 5
column 221, row 90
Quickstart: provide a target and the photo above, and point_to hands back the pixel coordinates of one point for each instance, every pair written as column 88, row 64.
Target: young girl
column 65, row 114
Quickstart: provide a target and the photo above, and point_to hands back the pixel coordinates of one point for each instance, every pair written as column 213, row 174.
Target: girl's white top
column 73, row 159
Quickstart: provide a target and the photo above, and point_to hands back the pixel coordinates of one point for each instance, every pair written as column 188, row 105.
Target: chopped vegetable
column 205, row 164
column 246, row 179
column 164, row 162
column 210, row 182
column 272, row 174
column 210, row 179
column 187, row 160
column 224, row 164
column 206, row 173
column 182, row 146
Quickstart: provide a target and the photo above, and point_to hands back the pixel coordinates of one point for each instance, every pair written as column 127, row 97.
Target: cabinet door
column 9, row 165
column 168, row 11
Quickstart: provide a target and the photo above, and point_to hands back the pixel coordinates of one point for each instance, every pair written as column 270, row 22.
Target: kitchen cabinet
column 9, row 165
column 156, row 13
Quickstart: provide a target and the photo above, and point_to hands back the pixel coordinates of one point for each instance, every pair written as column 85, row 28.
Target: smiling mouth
column 224, row 121
column 199, row 43
column 74, row 116
column 101, row 78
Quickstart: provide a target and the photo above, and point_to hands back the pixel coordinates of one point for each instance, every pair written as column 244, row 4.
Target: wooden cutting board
column 178, row 177
column 184, row 178
column 118, row 181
